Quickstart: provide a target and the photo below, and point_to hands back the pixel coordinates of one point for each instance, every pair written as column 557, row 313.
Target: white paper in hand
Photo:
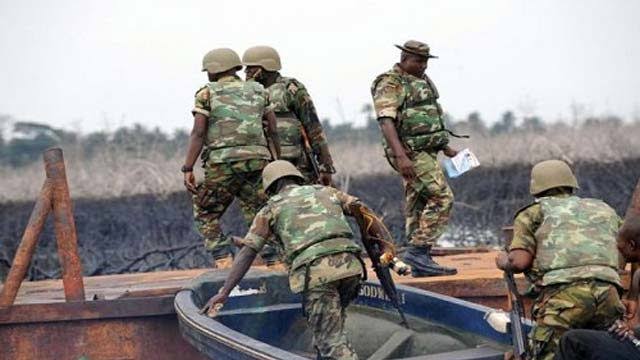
column 461, row 163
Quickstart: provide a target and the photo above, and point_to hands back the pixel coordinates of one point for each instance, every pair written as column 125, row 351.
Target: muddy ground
column 149, row 233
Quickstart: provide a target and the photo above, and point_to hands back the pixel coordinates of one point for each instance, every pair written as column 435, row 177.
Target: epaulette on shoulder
column 389, row 74
column 524, row 208
column 292, row 85
column 203, row 88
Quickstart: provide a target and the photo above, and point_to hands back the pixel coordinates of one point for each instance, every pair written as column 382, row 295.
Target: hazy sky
column 88, row 65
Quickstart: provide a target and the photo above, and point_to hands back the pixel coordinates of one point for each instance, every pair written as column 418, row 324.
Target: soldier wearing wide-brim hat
column 229, row 135
column 417, row 48
column 406, row 104
column 566, row 246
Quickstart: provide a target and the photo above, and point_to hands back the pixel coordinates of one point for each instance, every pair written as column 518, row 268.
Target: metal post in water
column 64, row 226
column 27, row 246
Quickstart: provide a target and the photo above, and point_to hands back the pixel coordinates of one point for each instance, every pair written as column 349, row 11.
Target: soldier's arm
column 629, row 234
column 302, row 105
column 196, row 139
column 402, row 161
column 388, row 97
column 269, row 118
column 523, row 246
column 253, row 242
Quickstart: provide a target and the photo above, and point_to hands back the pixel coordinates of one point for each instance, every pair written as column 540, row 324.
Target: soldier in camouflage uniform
column 566, row 246
column 323, row 259
column 229, row 117
column 410, row 117
column 295, row 113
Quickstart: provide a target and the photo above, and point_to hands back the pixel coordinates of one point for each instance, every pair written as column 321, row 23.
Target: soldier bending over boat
column 310, row 224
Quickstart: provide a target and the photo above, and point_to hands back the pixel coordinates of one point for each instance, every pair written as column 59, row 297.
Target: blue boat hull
column 263, row 320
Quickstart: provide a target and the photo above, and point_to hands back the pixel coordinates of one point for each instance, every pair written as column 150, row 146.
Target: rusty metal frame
column 53, row 198
column 87, row 310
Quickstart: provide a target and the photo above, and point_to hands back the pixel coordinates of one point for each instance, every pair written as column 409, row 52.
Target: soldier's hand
column 405, row 166
column 502, row 259
column 325, row 179
column 449, row 151
column 213, row 306
column 621, row 330
column 190, row 182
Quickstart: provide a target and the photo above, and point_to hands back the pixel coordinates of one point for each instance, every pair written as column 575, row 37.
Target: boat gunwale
column 216, row 330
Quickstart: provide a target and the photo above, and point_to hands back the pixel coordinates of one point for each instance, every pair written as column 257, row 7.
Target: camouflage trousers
column 429, row 200
column 325, row 307
column 585, row 305
column 222, row 183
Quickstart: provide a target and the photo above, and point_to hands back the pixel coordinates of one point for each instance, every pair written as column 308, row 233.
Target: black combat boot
column 419, row 258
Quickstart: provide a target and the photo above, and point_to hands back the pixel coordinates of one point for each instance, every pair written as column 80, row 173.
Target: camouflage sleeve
column 299, row 100
column 525, row 225
column 201, row 105
column 388, row 96
column 259, row 231
column 345, row 200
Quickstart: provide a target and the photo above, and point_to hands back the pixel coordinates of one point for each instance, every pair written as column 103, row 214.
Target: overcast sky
column 87, row 65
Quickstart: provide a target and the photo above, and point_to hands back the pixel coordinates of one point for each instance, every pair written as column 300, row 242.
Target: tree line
column 22, row 142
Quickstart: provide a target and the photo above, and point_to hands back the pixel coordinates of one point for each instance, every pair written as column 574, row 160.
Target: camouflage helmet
column 264, row 56
column 219, row 60
column 551, row 174
column 277, row 170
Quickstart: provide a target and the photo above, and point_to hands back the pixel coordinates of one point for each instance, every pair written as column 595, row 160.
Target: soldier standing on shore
column 231, row 118
column 295, row 113
column 410, row 117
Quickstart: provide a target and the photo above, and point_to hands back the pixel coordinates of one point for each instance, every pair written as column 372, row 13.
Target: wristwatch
column 186, row 169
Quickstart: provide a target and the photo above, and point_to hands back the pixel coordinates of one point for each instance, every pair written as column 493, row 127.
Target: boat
column 262, row 319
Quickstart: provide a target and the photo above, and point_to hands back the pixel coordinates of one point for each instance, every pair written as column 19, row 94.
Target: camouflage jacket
column 413, row 105
column 309, row 225
column 571, row 239
column 234, row 109
column 294, row 108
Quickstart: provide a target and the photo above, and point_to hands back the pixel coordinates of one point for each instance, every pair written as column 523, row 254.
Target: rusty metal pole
column 64, row 226
column 27, row 246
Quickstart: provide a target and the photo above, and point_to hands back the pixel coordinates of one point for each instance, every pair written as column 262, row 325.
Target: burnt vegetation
column 132, row 213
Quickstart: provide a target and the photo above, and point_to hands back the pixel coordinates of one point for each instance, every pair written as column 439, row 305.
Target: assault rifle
column 308, row 151
column 516, row 328
column 381, row 254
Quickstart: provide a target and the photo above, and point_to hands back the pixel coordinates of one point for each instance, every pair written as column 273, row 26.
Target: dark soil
column 148, row 232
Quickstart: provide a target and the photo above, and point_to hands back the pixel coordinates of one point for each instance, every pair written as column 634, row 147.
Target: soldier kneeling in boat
column 324, row 261
column 566, row 245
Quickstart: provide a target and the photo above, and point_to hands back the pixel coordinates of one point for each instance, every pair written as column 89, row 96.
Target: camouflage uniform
column 235, row 153
column 574, row 267
column 293, row 107
column 412, row 104
column 322, row 258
